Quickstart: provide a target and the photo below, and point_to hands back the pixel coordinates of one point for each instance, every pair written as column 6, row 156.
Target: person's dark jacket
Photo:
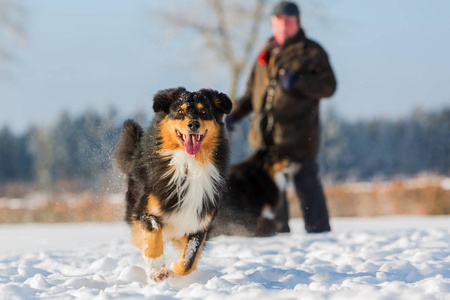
column 302, row 75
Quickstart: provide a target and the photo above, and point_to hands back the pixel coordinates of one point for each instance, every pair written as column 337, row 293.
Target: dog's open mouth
column 192, row 142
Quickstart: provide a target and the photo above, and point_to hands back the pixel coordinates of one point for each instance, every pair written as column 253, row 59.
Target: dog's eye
column 203, row 112
column 180, row 111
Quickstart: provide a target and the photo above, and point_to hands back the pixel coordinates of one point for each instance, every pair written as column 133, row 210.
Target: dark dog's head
column 270, row 161
column 190, row 120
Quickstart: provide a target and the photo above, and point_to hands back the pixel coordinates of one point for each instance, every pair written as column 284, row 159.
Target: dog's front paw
column 163, row 274
column 154, row 264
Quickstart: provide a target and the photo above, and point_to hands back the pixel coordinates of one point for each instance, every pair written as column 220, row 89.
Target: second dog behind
column 252, row 197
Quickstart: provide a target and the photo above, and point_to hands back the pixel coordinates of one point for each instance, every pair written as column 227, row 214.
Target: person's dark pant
column 312, row 200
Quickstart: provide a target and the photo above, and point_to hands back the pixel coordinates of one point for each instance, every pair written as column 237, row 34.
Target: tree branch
column 224, row 36
column 253, row 35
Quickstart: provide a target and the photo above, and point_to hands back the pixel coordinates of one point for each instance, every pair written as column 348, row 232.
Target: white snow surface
column 362, row 258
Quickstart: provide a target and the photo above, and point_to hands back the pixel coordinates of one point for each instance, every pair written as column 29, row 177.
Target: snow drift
column 372, row 258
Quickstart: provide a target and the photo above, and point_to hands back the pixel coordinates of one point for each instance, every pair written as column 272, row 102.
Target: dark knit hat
column 286, row 8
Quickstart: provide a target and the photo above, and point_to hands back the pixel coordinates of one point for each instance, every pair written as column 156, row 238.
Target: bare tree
column 12, row 29
column 229, row 30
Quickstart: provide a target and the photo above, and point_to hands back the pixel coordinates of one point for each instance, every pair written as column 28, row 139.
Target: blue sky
column 389, row 57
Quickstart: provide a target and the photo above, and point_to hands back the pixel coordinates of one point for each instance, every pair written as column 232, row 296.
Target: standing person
column 288, row 79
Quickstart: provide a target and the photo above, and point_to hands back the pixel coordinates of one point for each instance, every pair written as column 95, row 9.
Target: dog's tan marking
column 210, row 142
column 170, row 140
column 183, row 106
column 200, row 106
column 153, row 206
column 183, row 266
column 150, row 242
column 217, row 102
column 273, row 169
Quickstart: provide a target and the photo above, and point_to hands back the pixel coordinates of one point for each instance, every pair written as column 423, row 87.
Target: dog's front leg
column 147, row 236
column 193, row 246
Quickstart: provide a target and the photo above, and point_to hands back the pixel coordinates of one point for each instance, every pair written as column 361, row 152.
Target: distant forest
column 78, row 149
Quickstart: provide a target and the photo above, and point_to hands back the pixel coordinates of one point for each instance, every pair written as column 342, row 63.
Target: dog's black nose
column 193, row 125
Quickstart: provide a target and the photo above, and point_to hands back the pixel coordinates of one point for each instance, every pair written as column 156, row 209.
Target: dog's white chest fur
column 195, row 183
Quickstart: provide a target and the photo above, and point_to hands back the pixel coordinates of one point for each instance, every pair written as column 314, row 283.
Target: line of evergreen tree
column 15, row 160
column 386, row 148
column 80, row 148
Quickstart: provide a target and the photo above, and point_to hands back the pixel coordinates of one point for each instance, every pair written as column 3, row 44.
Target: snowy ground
column 373, row 258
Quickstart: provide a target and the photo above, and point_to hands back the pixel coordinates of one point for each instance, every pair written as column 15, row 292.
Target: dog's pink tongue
column 191, row 144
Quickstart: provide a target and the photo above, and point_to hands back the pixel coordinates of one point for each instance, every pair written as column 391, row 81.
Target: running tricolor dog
column 176, row 175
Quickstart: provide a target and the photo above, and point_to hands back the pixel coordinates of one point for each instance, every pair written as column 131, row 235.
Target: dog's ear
column 162, row 99
column 219, row 100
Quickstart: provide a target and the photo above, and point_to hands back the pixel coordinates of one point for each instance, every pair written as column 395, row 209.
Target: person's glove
column 230, row 121
column 287, row 79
